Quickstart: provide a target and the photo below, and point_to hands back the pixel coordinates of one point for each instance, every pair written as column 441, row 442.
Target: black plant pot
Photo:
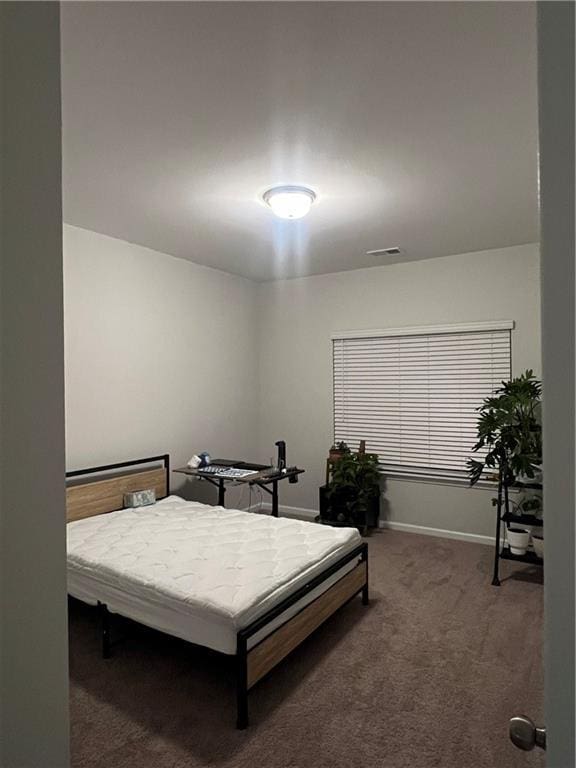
column 373, row 512
column 335, row 510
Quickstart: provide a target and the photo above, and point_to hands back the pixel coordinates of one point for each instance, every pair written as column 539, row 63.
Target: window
column 412, row 393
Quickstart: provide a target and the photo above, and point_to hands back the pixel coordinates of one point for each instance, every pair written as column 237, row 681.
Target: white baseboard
column 441, row 533
column 296, row 512
column 301, row 513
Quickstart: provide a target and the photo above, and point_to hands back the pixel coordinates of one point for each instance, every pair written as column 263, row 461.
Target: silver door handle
column 525, row 735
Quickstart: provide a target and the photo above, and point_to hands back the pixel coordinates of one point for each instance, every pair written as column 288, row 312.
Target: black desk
column 260, row 479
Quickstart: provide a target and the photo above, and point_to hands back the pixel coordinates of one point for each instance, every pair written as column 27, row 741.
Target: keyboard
column 229, row 473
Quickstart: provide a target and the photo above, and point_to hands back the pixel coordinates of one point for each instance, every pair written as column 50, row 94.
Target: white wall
column 160, row 357
column 141, row 379
column 297, row 317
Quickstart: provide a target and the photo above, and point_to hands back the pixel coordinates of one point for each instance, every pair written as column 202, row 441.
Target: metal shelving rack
column 502, row 552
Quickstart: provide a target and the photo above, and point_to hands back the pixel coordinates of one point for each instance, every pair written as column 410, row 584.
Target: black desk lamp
column 281, row 462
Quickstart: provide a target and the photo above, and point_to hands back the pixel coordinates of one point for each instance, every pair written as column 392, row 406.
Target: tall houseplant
column 509, row 430
column 354, row 489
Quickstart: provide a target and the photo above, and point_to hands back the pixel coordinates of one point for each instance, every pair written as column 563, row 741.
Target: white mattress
column 196, row 571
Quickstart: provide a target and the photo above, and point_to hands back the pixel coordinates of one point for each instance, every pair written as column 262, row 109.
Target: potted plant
column 531, row 505
column 509, row 431
column 518, row 539
column 352, row 496
column 538, row 542
column 338, row 450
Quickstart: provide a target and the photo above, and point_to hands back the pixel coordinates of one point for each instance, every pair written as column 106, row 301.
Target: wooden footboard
column 255, row 663
column 276, row 646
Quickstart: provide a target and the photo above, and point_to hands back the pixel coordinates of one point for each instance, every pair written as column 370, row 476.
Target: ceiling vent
column 394, row 251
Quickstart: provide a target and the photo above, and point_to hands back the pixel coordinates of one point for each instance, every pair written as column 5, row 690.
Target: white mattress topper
column 203, row 558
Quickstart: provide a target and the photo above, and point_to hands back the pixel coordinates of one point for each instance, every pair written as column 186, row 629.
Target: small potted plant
column 518, row 540
column 338, row 450
column 538, row 543
column 531, row 505
column 517, row 536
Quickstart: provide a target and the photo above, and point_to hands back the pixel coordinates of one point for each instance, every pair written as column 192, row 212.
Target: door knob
column 525, row 735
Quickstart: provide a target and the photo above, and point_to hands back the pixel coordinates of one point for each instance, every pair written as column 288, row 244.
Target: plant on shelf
column 354, row 489
column 338, row 450
column 530, row 505
column 527, row 505
column 509, row 430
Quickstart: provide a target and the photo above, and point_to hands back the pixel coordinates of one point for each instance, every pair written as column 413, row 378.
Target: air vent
column 394, row 251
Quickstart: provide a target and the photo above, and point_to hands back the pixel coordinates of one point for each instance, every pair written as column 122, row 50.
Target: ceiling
column 415, row 123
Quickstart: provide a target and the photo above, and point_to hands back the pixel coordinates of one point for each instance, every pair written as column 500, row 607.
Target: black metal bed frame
column 164, row 458
column 246, row 633
column 243, row 635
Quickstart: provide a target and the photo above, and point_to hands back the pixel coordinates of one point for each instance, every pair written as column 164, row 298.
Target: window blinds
column 413, row 397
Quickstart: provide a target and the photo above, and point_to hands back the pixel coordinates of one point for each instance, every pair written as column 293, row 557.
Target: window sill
column 486, row 485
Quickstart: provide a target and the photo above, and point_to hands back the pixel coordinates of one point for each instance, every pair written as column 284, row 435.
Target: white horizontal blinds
column 413, row 397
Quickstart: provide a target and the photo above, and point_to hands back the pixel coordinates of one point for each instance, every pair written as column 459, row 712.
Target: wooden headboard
column 88, row 495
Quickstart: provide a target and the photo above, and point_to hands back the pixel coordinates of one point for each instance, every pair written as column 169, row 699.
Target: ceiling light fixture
column 393, row 251
column 289, row 202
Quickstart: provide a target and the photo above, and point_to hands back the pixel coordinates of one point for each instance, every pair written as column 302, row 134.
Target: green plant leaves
column 509, row 427
column 355, row 480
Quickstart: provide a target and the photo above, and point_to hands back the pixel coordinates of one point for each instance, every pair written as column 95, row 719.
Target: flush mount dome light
column 289, row 202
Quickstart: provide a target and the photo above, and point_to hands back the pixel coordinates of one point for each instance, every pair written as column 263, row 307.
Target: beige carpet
column 427, row 675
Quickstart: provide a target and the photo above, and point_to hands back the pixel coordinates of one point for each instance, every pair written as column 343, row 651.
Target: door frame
column 34, row 658
column 556, row 174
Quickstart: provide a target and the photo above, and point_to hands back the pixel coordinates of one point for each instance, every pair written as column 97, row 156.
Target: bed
column 243, row 584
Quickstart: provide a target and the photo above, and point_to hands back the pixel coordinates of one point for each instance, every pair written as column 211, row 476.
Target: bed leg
column 241, row 683
column 105, row 628
column 365, row 595
column 365, row 592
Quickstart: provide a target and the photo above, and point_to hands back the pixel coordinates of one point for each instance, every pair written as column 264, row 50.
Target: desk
column 260, row 479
